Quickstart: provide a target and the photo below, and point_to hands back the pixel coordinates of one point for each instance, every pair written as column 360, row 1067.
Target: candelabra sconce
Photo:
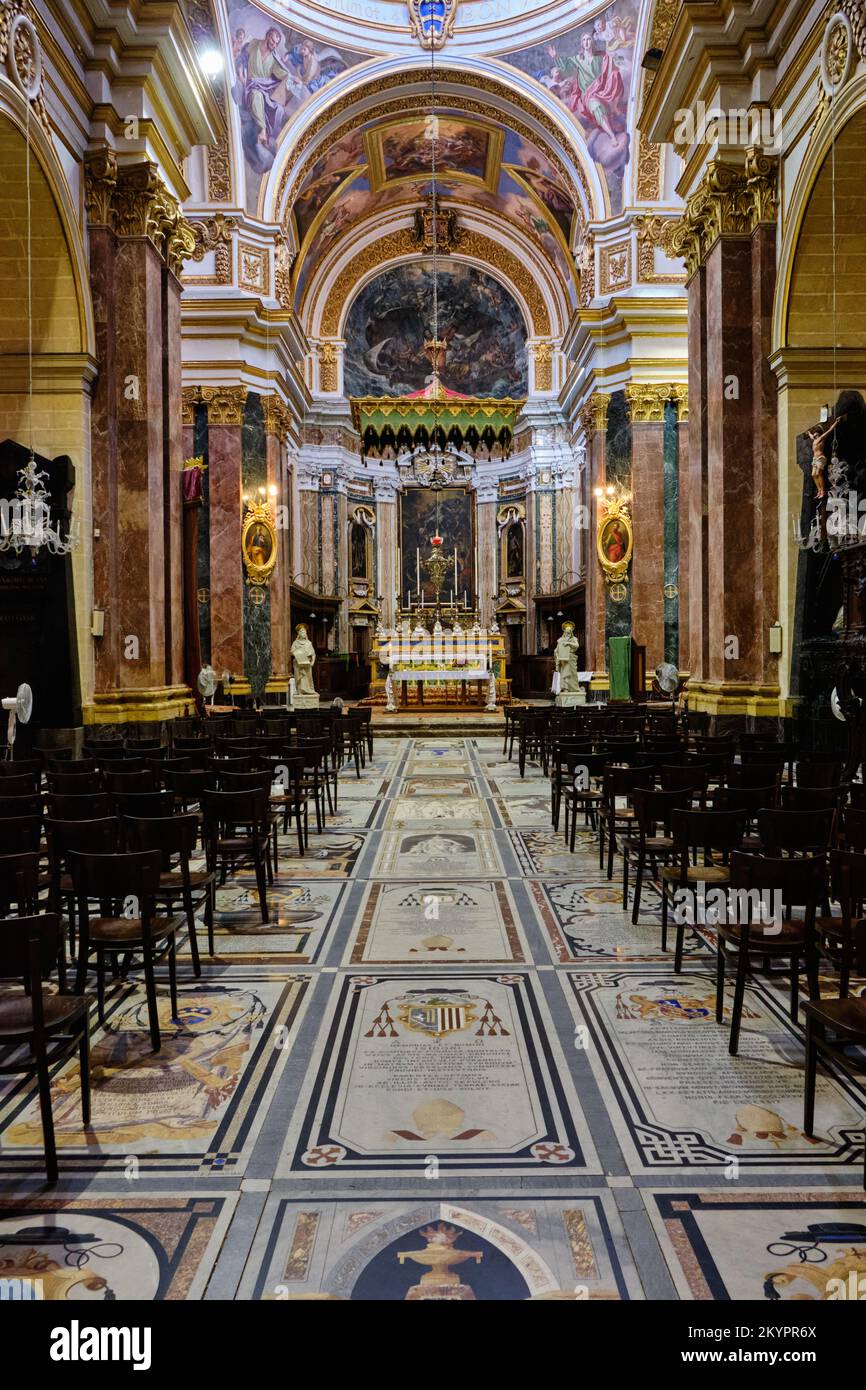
column 259, row 536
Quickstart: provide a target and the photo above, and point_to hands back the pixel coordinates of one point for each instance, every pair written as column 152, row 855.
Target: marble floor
column 450, row 1067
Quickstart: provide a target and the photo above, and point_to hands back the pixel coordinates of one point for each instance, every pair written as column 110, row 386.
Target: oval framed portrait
column 259, row 547
column 615, row 541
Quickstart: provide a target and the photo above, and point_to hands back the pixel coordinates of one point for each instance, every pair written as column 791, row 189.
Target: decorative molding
column 284, row 259
column 399, row 244
column 656, row 231
column 649, row 170
column 432, row 25
column 593, row 415
column 731, row 201
column 253, row 267
column 225, row 404
column 542, row 356
column 277, row 416
column 21, row 51
column 585, row 261
column 215, row 234
column 615, row 267
column 439, row 232
column 329, row 373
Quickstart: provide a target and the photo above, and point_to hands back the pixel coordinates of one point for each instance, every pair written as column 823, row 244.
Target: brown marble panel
column 648, row 559
column 226, row 566
column 684, row 564
column 730, row 445
column 140, row 598
column 280, row 578
column 103, row 447
column 766, row 448
column 693, row 494
column 175, row 456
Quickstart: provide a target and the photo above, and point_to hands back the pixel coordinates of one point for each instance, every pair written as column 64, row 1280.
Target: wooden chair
column 25, row 785
column 236, row 828
column 809, row 798
column 846, row 1019
column 850, row 830
column 148, row 804
column 24, row 767
column 40, row 1030
column 708, row 834
column 74, row 783
column 618, row 783
column 175, row 838
column 65, row 837
column 582, row 793
column 532, row 741
column 11, row 807
column 114, row 880
column 255, row 781
column 652, row 808
column 19, row 884
column 287, row 771
column 843, row 939
column 142, row 781
column 791, row 882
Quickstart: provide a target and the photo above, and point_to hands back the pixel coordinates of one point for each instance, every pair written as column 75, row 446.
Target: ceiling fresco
column 478, row 164
column 590, row 68
column 392, row 317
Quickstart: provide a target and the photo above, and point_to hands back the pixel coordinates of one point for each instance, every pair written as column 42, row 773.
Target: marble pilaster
column 225, row 488
column 648, row 561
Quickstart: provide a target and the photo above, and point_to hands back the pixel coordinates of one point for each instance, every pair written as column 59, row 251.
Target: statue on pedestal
column 303, row 661
column 565, row 659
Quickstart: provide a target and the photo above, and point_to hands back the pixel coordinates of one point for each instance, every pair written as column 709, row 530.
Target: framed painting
column 259, row 545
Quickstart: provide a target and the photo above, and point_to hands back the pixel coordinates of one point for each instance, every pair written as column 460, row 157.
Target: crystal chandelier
column 25, row 520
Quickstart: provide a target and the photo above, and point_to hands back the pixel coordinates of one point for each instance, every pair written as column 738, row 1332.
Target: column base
column 131, row 706
column 734, row 697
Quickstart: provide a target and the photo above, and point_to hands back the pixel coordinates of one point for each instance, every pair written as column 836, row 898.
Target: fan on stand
column 667, row 680
column 19, row 706
column 207, row 683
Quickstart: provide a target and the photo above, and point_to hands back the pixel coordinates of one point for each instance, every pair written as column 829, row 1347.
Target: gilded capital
column 277, row 415
column 225, row 404
column 731, row 201
column 647, row 402
column 100, row 180
column 190, row 397
column 593, row 415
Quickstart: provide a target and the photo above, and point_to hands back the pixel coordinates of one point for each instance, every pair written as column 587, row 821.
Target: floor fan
column 667, row 679
column 207, row 683
column 20, row 707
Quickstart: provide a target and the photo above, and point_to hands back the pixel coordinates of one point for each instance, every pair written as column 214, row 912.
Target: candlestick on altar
column 455, row 569
column 464, row 598
column 418, row 569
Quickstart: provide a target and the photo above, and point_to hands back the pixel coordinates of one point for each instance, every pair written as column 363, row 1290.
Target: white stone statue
column 565, row 658
column 303, row 661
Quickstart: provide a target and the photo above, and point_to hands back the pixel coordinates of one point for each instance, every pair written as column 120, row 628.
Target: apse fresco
column 392, row 317
column 328, row 173
column 276, row 69
column 589, row 68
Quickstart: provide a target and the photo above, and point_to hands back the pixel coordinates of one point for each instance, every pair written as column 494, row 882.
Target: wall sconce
column 97, row 622
column 776, row 639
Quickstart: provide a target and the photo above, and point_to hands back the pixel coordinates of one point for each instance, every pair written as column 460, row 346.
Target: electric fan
column 20, row 706
column 207, row 682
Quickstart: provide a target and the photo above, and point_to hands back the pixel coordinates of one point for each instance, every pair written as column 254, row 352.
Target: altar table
column 461, row 675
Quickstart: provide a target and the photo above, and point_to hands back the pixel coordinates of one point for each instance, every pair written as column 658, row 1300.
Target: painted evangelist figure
column 589, row 68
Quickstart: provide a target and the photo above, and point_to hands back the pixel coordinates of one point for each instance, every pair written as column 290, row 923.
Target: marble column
column 386, row 550
column 728, row 236
column 648, row 519
column 277, row 422
column 137, row 237
column 225, row 414
column 593, row 419
column 485, row 520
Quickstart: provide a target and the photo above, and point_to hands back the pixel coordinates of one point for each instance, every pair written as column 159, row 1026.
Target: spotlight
column 211, row 61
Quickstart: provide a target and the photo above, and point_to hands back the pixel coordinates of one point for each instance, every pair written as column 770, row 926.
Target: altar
column 420, row 663
column 484, row 679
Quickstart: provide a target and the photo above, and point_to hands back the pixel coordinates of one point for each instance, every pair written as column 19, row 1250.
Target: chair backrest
column 24, row 767
column 19, row 834
column 25, row 785
column 809, row 798
column 749, row 774
column 191, row 745
column 12, row 806
column 70, row 765
column 707, row 830
column 848, row 877
column 67, row 837
column 74, row 783
column 799, row 882
column 748, row 799
column 234, row 808
column 19, row 881
column 29, row 949
column 243, row 781
column 96, row 806
column 169, row 835
column 851, row 829
column 684, row 778
column 796, row 832
column 230, row 764
column 621, row 781
column 130, row 781
column 117, row 877
column 814, row 774
column 150, row 804
column 140, row 745
column 654, row 806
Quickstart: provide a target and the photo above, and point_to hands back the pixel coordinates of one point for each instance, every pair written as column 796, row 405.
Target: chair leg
column 210, row 907
column 720, row 981
column 45, row 1110
column 611, row 846
column 172, row 975
column 638, row 888
column 739, row 994
column 678, row 948
column 811, row 1078
column 664, row 916
column 601, row 842
column 260, row 880
column 625, row 876
column 573, row 824
column 152, row 1009
column 795, row 988
column 100, row 985
column 84, row 1070
column 193, row 939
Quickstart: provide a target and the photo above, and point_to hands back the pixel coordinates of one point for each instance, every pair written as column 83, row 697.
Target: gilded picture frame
column 614, row 542
column 259, row 545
